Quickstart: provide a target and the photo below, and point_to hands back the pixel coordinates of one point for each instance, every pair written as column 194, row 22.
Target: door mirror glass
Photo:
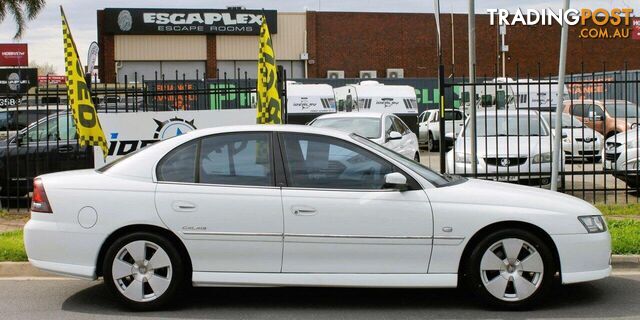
column 395, row 180
column 394, row 135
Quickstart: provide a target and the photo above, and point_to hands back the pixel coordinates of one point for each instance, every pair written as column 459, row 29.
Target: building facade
column 179, row 43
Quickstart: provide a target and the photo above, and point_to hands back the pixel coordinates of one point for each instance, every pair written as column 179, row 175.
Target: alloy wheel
column 511, row 269
column 142, row 271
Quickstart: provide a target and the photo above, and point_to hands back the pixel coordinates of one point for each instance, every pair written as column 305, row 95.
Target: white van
column 374, row 96
column 310, row 98
column 502, row 93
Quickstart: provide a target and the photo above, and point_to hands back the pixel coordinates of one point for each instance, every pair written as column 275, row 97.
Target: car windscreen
column 438, row 180
column 568, row 121
column 367, row 127
column 452, row 115
column 622, row 109
column 510, row 125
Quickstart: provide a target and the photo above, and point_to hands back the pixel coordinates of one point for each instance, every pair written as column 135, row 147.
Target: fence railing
column 515, row 119
column 38, row 136
column 515, row 125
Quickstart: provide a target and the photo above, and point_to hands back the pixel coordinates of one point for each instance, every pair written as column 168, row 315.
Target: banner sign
column 14, row 55
column 177, row 95
column 92, row 56
column 129, row 131
column 52, row 79
column 269, row 105
column 17, row 81
column 186, row 21
column 84, row 112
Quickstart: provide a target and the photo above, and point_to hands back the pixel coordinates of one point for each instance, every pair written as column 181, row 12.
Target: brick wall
column 212, row 62
column 352, row 42
column 106, row 55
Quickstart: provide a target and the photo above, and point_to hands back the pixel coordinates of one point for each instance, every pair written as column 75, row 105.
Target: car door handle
column 303, row 211
column 183, row 206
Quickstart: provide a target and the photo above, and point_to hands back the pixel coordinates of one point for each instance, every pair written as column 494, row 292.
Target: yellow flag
column 84, row 112
column 269, row 103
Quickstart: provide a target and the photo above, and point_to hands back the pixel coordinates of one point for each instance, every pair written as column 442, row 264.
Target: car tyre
column 511, row 269
column 144, row 271
column 431, row 143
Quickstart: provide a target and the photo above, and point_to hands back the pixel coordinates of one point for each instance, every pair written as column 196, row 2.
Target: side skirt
column 212, row 279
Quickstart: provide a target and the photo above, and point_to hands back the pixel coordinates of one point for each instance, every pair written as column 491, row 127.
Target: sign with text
column 187, row 21
column 130, row 131
column 17, row 81
column 14, row 55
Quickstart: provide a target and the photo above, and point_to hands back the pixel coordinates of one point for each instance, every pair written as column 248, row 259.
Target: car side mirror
column 395, row 180
column 394, row 135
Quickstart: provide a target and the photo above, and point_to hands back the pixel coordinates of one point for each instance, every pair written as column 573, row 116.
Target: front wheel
column 511, row 269
column 143, row 270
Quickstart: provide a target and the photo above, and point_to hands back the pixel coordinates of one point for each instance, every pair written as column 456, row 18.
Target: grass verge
column 12, row 246
column 625, row 236
column 632, row 209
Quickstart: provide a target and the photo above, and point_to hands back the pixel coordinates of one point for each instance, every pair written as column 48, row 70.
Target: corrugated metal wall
column 160, row 47
column 288, row 42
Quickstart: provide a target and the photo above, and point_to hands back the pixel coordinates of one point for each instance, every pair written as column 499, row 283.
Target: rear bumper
column 65, row 269
column 62, row 252
column 584, row 257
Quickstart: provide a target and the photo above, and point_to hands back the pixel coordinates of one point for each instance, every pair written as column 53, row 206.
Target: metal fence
column 515, row 121
column 38, row 136
column 514, row 126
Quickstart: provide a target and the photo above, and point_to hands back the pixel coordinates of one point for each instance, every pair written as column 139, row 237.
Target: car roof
column 355, row 114
column 270, row 128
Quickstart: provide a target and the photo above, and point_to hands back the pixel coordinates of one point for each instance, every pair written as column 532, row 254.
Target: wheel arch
column 143, row 228
column 485, row 231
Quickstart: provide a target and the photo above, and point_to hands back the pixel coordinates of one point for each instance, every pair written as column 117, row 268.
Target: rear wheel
column 144, row 271
column 511, row 269
column 432, row 145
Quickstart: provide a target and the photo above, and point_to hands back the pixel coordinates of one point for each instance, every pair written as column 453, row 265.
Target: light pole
column 472, row 81
column 557, row 139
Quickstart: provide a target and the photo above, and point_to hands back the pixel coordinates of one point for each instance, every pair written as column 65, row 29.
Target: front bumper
column 584, row 257
column 66, row 253
column 526, row 173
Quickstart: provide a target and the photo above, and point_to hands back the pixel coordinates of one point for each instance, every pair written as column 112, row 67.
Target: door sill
column 422, row 280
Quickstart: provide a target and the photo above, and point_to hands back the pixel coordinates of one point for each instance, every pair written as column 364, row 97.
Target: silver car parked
column 512, row 146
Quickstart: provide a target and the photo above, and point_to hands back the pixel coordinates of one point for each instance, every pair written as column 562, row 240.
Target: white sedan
column 383, row 128
column 304, row 206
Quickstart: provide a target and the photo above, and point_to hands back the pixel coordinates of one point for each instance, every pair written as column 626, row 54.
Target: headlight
column 593, row 224
column 541, row 158
column 463, row 157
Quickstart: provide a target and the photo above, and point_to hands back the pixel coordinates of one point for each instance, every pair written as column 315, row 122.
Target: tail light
column 39, row 201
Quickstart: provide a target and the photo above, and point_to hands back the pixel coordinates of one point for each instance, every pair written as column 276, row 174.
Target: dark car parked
column 47, row 145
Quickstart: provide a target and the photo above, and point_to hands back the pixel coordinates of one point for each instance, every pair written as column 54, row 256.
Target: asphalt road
column 615, row 297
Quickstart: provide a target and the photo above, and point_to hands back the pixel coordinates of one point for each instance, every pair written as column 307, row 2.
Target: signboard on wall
column 17, row 81
column 52, row 79
column 14, row 55
column 129, row 131
column 187, row 21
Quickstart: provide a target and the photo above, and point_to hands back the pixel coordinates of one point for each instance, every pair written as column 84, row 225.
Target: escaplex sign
column 187, row 21
column 597, row 24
